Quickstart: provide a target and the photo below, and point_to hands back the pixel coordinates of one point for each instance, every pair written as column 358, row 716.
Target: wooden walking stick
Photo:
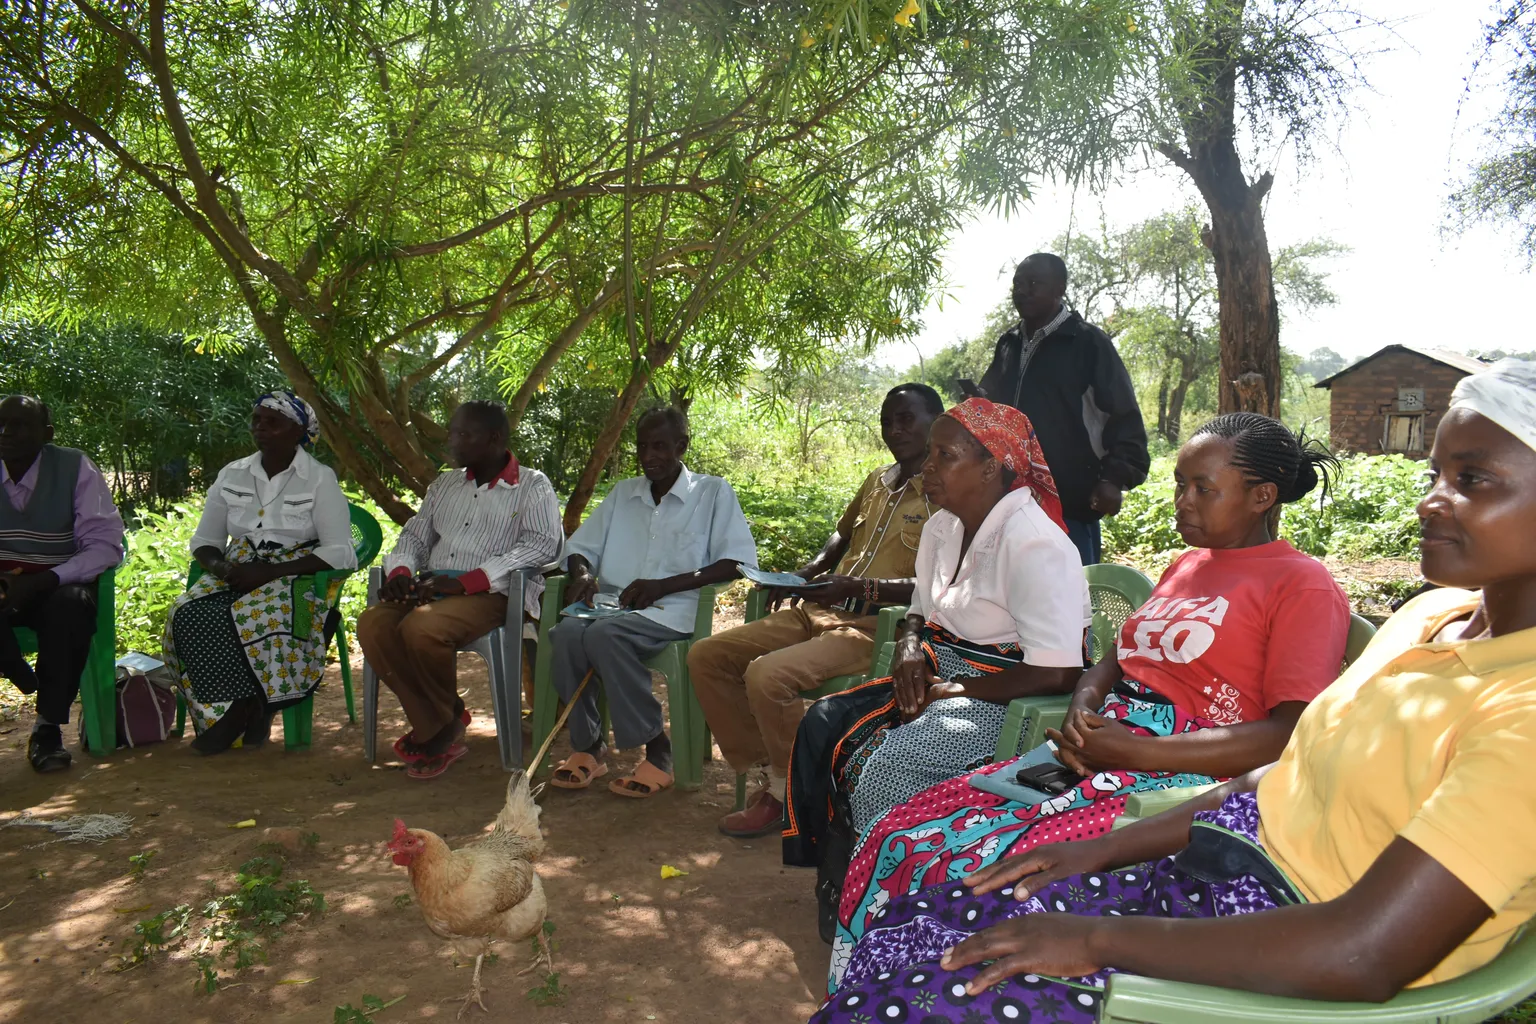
column 538, row 757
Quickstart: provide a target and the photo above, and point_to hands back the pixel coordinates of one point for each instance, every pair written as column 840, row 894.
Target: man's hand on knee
column 22, row 590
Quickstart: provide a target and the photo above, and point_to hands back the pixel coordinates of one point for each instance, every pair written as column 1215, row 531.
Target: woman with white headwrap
column 1392, row 845
column 269, row 517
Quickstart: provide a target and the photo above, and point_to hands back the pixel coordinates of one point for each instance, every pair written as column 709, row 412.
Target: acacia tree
column 1502, row 186
column 1210, row 86
column 1154, row 287
column 381, row 189
column 386, row 191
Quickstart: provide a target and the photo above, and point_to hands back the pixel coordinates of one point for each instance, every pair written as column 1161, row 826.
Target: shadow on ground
column 733, row 940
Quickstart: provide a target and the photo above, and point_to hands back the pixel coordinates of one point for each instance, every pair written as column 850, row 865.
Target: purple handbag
column 145, row 711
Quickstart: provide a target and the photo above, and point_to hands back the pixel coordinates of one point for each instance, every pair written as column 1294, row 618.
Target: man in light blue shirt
column 655, row 540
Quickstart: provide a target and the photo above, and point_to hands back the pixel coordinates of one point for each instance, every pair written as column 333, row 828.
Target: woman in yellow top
column 1393, row 844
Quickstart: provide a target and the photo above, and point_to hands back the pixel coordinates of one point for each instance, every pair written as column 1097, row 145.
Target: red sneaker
column 763, row 816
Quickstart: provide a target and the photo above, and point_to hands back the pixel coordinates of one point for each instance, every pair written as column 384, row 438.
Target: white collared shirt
column 492, row 530
column 632, row 537
column 302, row 503
column 1021, row 582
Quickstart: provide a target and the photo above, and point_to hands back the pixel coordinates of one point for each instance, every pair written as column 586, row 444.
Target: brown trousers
column 749, row 679
column 414, row 650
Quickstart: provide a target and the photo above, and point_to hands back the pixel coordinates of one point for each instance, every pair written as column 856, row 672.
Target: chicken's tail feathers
column 520, row 814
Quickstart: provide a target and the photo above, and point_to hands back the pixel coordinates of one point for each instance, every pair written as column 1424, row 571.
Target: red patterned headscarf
column 1009, row 436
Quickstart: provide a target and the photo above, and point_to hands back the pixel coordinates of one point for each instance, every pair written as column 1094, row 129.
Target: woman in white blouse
column 999, row 611
column 269, row 517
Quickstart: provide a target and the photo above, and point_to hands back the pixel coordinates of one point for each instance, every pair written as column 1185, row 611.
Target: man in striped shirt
column 446, row 581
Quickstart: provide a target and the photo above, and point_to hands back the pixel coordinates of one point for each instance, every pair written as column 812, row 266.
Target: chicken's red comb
column 400, row 832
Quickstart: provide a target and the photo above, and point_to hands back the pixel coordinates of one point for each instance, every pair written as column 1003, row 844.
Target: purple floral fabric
column 893, row 974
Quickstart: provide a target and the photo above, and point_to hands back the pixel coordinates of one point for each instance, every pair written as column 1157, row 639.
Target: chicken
column 484, row 891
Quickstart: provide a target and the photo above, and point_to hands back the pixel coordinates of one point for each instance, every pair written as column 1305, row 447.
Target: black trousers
column 64, row 620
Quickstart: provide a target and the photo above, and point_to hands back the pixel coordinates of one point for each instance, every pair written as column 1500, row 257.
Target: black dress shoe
column 46, row 749
column 219, row 736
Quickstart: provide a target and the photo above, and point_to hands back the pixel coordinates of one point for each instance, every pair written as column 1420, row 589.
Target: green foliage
column 154, row 572
column 138, row 863
column 349, row 1014
column 1502, row 186
column 159, row 415
column 408, row 201
column 549, row 992
column 1368, row 513
column 240, row 923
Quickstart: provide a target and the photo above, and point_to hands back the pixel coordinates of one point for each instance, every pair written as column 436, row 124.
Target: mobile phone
column 968, row 388
column 1050, row 777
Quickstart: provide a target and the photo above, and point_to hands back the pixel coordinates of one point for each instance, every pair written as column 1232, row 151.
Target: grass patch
column 239, row 925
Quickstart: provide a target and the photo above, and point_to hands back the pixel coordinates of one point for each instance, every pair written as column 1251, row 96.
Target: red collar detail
column 509, row 474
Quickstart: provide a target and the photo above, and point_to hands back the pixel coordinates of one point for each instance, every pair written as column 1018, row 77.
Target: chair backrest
column 1116, row 591
column 367, row 537
column 1360, row 632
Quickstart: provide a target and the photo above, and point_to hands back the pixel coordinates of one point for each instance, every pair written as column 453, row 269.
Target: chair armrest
column 704, row 620
column 1156, row 801
column 757, row 604
column 554, row 598
column 1026, row 721
column 885, row 654
column 891, row 617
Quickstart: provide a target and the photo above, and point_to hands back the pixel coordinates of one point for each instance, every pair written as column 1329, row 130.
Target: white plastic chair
column 502, row 651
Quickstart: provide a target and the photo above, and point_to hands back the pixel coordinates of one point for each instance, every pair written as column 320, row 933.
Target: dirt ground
column 733, row 940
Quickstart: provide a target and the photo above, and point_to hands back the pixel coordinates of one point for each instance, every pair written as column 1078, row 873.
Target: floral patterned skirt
column 225, row 646
column 953, row 829
column 894, row 975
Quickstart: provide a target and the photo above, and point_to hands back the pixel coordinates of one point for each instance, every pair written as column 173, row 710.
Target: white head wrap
column 1506, row 394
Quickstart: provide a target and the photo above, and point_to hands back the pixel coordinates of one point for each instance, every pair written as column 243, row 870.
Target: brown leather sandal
column 641, row 784
column 580, row 769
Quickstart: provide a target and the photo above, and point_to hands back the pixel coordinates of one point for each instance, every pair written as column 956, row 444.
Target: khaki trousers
column 749, row 679
column 414, row 650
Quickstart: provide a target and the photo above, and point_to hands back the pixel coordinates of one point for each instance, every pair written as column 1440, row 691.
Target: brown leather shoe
column 763, row 816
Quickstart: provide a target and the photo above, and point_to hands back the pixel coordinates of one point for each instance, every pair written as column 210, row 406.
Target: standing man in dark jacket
column 1065, row 375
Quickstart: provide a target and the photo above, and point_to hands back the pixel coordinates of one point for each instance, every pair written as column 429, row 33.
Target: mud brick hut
column 1392, row 400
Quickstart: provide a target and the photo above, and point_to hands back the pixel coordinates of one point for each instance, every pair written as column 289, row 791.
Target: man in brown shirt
column 749, row 679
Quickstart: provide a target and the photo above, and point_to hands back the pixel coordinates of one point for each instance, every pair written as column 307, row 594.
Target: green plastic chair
column 1116, row 591
column 879, row 660
column 690, row 734
column 98, row 682
column 1469, row 999
column 885, row 632
column 298, row 719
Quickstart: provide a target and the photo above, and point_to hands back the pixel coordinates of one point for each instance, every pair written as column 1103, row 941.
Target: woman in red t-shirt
column 1208, row 680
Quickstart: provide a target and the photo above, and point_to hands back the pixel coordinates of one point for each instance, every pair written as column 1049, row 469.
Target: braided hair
column 1268, row 453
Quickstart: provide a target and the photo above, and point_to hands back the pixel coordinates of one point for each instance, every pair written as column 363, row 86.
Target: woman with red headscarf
column 999, row 610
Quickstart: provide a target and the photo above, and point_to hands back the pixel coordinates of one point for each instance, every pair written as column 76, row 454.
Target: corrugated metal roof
column 1455, row 360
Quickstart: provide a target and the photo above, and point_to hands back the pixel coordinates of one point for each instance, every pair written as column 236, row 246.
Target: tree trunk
column 605, row 444
column 1176, row 411
column 1249, row 318
column 1162, row 405
column 1245, row 288
column 331, row 428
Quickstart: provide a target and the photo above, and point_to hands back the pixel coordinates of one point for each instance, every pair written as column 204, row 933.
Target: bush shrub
column 1367, row 513
column 154, row 572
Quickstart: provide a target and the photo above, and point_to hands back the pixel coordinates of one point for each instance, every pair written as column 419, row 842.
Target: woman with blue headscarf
column 269, row 517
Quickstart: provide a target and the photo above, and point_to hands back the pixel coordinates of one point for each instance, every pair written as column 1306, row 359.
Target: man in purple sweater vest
column 59, row 530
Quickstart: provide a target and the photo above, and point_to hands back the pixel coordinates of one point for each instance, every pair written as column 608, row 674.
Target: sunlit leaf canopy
column 400, row 198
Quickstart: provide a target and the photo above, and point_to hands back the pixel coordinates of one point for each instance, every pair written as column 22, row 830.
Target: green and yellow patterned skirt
column 225, row 646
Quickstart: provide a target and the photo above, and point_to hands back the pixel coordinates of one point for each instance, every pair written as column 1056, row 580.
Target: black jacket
column 1079, row 397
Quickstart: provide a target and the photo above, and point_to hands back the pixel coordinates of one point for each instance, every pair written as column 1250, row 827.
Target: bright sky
column 1380, row 190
